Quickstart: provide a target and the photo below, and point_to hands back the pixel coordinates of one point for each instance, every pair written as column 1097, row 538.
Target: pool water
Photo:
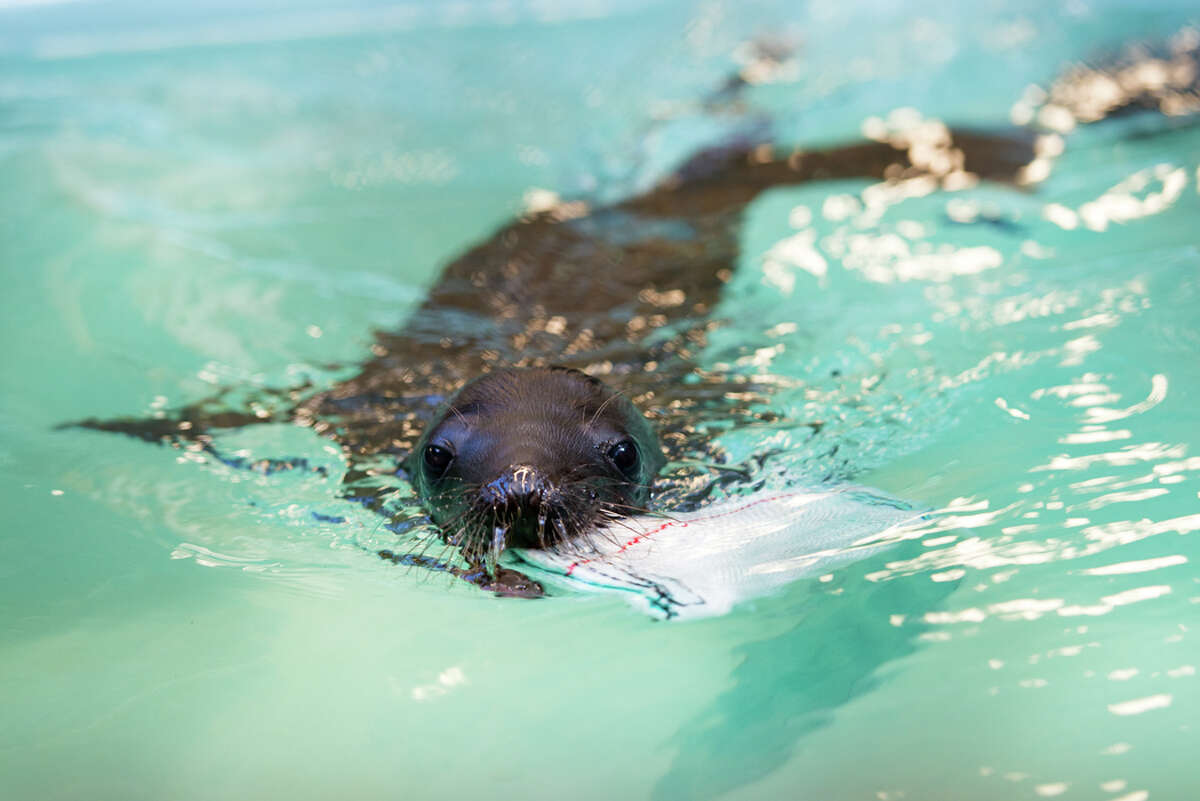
column 238, row 193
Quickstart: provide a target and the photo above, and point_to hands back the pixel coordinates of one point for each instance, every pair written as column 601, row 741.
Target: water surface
column 230, row 194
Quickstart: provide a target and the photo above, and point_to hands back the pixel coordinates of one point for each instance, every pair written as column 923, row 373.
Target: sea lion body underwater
column 487, row 395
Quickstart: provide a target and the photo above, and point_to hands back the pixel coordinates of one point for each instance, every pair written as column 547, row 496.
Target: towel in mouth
column 702, row 563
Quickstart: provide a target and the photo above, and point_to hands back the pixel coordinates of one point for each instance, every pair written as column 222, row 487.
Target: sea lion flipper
column 194, row 427
column 196, row 434
column 506, row 583
column 170, row 428
column 510, row 584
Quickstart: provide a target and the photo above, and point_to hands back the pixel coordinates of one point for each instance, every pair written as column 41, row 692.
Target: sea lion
column 536, row 450
column 531, row 458
column 623, row 291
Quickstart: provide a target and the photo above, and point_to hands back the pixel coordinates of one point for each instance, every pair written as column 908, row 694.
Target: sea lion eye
column 624, row 455
column 437, row 459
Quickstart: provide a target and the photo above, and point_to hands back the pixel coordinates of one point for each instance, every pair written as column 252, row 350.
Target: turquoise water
column 230, row 194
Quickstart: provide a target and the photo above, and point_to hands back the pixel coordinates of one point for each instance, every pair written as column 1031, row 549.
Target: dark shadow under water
column 788, row 686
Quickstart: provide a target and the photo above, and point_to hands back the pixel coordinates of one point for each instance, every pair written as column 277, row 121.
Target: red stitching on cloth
column 684, row 524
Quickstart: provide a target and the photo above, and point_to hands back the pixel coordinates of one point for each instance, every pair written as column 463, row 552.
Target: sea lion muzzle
column 525, row 508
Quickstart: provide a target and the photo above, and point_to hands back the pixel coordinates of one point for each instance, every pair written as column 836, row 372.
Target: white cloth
column 696, row 564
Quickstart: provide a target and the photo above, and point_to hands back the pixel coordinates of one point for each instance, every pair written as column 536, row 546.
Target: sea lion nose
column 519, row 485
column 520, row 502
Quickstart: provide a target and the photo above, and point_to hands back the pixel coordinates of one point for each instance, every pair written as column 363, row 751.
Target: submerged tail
column 1159, row 78
column 1162, row 77
column 724, row 180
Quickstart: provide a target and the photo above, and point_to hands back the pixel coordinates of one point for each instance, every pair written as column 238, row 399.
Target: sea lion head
column 531, row 458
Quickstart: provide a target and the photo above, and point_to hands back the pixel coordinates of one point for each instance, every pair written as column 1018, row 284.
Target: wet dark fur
column 623, row 291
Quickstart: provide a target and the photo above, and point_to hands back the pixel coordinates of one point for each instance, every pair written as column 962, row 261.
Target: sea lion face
column 531, row 458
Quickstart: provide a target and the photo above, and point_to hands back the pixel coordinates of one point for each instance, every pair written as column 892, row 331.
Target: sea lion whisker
column 453, row 526
column 431, row 542
column 607, row 535
column 560, row 528
column 616, row 393
column 541, row 526
column 584, row 543
column 607, row 482
column 619, row 509
column 458, row 414
column 625, row 524
column 469, row 544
